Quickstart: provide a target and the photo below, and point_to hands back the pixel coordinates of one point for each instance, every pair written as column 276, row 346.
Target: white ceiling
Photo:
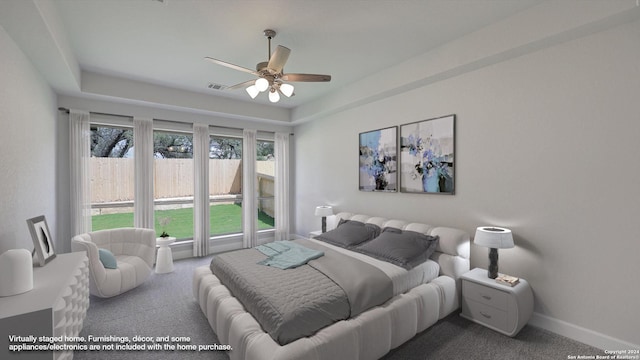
column 164, row 43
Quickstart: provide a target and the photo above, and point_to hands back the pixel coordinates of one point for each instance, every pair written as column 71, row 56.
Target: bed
column 421, row 296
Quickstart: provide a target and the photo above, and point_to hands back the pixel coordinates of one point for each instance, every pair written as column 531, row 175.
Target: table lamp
column 494, row 238
column 324, row 211
column 16, row 272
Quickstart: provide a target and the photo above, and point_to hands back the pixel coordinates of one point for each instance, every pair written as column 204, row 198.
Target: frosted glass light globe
column 262, row 84
column 286, row 89
column 274, row 97
column 253, row 91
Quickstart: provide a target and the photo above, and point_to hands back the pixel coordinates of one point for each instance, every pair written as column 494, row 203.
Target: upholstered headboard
column 453, row 248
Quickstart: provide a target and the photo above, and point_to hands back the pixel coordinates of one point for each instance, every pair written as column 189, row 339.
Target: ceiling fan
column 270, row 75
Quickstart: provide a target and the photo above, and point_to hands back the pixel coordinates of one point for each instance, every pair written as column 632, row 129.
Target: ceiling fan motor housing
column 262, row 66
column 269, row 33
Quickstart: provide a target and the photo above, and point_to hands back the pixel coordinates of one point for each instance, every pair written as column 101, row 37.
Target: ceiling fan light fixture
column 253, row 91
column 286, row 89
column 262, row 84
column 274, row 97
column 269, row 73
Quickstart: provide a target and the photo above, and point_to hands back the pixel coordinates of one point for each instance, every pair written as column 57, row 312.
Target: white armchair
column 134, row 250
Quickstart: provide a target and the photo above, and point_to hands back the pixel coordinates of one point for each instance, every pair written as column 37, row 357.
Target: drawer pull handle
column 486, row 297
column 485, row 315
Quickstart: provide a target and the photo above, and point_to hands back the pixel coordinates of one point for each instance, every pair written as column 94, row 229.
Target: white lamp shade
column 274, row 97
column 262, row 84
column 286, row 89
column 253, row 91
column 324, row 211
column 493, row 237
column 16, row 272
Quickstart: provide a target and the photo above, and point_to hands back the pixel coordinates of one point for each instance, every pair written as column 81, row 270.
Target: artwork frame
column 378, row 160
column 427, row 156
column 42, row 241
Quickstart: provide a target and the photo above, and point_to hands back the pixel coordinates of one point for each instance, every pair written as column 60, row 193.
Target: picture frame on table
column 427, row 156
column 378, row 160
column 42, row 240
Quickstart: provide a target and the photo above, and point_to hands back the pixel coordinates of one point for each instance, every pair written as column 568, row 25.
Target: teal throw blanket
column 286, row 254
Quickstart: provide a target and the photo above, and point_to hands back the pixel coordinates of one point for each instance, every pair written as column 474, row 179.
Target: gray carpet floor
column 164, row 306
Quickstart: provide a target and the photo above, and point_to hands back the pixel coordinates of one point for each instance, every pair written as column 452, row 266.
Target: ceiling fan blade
column 278, row 59
column 241, row 85
column 232, row 66
column 306, row 77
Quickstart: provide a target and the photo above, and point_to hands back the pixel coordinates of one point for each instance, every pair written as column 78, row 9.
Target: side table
column 502, row 308
column 164, row 260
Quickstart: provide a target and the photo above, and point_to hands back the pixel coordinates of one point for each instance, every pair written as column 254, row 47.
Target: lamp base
column 324, row 224
column 493, row 263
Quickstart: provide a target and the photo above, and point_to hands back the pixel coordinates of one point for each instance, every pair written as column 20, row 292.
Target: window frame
column 114, row 122
column 126, row 122
column 173, row 130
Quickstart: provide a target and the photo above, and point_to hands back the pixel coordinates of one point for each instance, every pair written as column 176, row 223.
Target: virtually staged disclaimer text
column 109, row 343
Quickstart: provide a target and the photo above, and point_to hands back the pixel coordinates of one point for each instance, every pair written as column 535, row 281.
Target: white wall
column 27, row 147
column 547, row 145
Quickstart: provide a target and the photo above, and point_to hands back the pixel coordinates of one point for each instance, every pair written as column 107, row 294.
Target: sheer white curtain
column 281, row 149
column 201, row 210
column 80, row 178
column 143, row 167
column 249, row 206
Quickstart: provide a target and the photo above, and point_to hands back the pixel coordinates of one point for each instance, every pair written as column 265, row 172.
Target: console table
column 57, row 306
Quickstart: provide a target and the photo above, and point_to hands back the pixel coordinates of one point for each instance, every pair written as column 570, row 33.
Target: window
column 225, row 185
column 173, row 183
column 265, row 171
column 112, row 177
column 113, row 174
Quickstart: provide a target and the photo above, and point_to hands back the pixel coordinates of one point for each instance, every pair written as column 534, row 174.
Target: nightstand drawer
column 485, row 314
column 485, row 295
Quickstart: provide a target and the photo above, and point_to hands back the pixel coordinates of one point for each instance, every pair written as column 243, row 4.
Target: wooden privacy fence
column 112, row 179
column 266, row 193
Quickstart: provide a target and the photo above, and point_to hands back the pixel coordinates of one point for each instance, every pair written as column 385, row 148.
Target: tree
column 116, row 142
column 110, row 142
column 172, row 146
column 264, row 150
column 225, row 148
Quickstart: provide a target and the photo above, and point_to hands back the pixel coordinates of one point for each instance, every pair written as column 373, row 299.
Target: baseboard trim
column 577, row 333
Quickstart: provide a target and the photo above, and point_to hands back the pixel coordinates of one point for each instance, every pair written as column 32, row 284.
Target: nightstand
column 502, row 308
column 313, row 234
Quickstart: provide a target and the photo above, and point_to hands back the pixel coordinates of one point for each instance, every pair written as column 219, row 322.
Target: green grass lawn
column 225, row 219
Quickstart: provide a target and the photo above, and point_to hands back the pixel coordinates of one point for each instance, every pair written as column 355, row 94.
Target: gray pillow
column 350, row 233
column 403, row 248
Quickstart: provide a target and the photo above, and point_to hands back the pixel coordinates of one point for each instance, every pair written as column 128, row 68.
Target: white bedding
column 402, row 279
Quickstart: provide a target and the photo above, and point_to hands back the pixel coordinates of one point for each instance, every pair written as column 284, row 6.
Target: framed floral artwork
column 427, row 156
column 378, row 160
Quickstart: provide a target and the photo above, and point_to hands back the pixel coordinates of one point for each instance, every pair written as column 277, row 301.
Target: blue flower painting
column 378, row 160
column 427, row 156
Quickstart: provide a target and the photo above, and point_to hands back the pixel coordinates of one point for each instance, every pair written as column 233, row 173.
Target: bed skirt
column 368, row 336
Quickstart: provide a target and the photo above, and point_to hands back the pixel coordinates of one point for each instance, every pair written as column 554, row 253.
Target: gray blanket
column 294, row 303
